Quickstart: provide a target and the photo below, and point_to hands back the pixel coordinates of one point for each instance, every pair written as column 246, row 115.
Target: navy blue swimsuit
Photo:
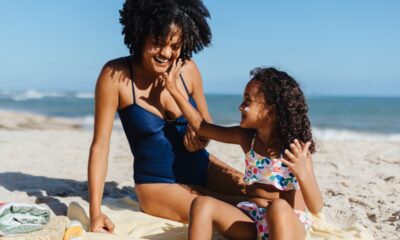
column 157, row 146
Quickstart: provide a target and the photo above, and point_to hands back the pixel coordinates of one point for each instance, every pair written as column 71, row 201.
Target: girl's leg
column 230, row 221
column 283, row 223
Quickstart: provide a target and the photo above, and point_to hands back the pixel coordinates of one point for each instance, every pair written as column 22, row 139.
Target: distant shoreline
column 19, row 120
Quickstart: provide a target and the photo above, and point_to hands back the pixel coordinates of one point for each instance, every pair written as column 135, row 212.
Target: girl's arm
column 196, row 121
column 300, row 163
column 106, row 103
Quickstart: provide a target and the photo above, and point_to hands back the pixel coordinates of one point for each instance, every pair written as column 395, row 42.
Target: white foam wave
column 55, row 94
column 32, row 94
column 344, row 134
column 84, row 95
column 334, row 134
column 29, row 94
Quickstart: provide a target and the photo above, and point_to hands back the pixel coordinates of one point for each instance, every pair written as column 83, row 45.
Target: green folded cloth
column 22, row 218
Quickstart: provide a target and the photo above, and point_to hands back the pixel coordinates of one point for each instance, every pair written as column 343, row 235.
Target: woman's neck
column 146, row 77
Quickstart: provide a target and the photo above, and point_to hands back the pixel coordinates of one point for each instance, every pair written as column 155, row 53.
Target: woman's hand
column 172, row 76
column 194, row 142
column 297, row 162
column 101, row 223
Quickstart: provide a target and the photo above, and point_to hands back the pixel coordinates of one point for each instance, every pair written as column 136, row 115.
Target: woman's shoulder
column 115, row 70
column 113, row 76
column 191, row 74
column 191, row 69
column 117, row 64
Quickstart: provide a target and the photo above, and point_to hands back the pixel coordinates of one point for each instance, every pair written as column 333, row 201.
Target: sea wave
column 323, row 134
column 30, row 94
column 84, row 95
column 336, row 134
column 36, row 94
column 346, row 134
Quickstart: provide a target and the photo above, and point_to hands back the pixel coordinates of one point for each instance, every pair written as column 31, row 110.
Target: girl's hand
column 172, row 76
column 194, row 142
column 297, row 162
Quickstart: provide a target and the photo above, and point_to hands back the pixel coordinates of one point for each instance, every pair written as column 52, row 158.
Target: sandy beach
column 44, row 160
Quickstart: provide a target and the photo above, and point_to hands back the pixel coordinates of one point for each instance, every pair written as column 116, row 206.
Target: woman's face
column 159, row 54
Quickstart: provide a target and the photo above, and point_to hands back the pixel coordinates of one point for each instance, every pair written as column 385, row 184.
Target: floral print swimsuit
column 274, row 172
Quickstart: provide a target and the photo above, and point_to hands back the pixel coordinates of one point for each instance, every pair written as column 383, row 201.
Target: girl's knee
column 203, row 204
column 278, row 208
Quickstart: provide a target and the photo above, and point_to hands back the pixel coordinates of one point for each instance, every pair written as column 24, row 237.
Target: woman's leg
column 230, row 221
column 283, row 223
column 224, row 179
column 171, row 201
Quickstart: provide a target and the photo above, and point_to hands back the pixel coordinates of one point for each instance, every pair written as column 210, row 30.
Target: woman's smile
column 161, row 60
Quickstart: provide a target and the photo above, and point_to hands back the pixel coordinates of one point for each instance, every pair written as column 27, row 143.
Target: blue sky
column 331, row 47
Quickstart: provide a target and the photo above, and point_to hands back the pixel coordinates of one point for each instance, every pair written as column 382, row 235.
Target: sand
column 44, row 160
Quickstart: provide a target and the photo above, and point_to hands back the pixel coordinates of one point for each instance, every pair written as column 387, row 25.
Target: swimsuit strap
column 282, row 152
column 252, row 141
column 131, row 74
column 184, row 84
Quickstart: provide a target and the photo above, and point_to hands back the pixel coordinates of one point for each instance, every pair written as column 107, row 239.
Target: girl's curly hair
column 142, row 18
column 284, row 94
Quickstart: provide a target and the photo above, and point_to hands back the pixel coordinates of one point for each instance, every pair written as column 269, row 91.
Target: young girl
column 275, row 134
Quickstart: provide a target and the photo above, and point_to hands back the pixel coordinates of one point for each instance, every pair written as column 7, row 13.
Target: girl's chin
column 243, row 124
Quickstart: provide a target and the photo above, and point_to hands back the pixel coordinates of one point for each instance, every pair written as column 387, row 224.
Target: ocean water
column 331, row 117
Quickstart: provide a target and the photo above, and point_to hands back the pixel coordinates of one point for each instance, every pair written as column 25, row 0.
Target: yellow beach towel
column 131, row 223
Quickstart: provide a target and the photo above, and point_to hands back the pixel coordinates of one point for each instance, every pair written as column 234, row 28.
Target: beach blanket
column 18, row 218
column 131, row 223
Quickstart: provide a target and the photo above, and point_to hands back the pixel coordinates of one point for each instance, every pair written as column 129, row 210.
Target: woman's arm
column 192, row 77
column 191, row 72
column 195, row 119
column 106, row 103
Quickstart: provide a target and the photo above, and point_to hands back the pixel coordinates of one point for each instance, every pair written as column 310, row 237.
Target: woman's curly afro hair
column 142, row 18
column 284, row 94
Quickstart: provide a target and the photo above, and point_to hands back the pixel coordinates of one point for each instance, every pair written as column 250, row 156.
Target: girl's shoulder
column 247, row 136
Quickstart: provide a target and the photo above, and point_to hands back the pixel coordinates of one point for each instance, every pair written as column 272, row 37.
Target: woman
column 171, row 167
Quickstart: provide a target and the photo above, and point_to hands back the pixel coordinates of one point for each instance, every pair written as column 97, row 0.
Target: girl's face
column 159, row 54
column 254, row 110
